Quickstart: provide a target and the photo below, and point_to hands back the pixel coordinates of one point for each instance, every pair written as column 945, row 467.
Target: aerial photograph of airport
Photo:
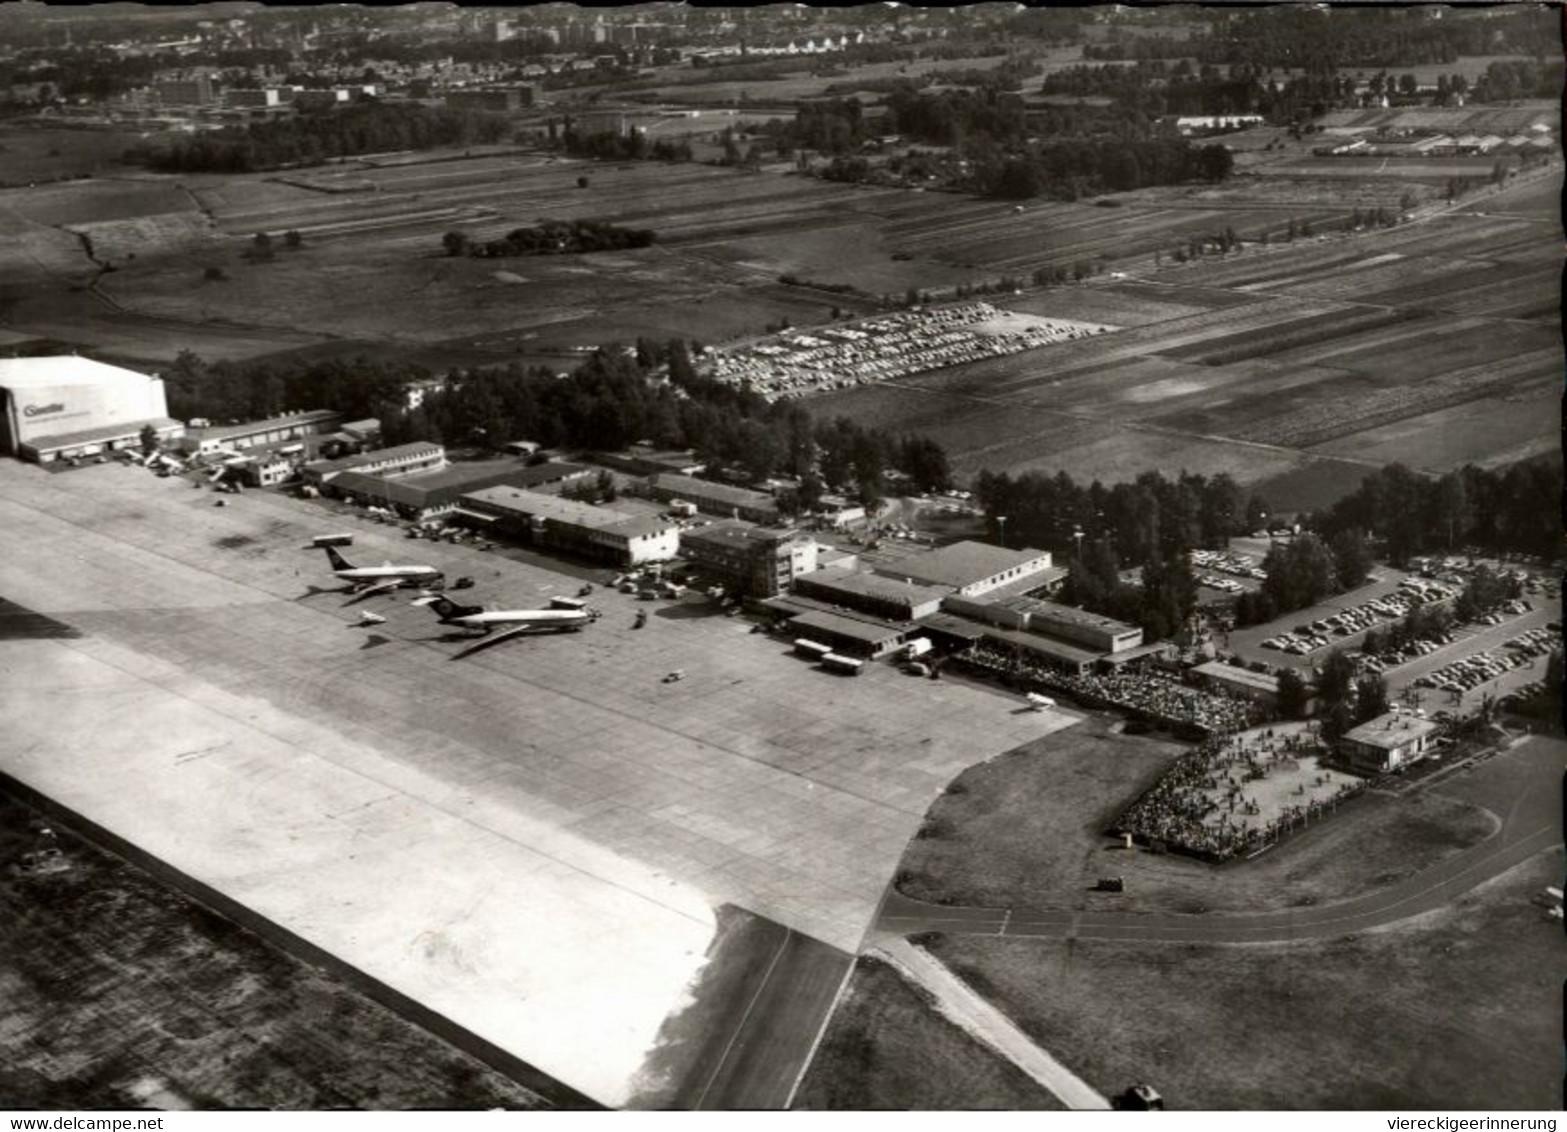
column 783, row 557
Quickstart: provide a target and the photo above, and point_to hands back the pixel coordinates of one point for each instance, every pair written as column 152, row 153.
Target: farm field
column 371, row 268
column 1293, row 367
column 41, row 154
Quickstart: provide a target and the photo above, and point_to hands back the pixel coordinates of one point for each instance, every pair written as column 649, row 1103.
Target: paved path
column 959, row 1002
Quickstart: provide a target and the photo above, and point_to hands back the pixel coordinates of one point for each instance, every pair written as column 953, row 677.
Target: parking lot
column 1469, row 640
column 546, row 821
column 1248, row 642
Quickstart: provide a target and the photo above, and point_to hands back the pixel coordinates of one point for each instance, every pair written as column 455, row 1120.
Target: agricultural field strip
column 1330, row 418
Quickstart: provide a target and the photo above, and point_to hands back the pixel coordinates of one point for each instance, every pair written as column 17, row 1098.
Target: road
column 1525, row 829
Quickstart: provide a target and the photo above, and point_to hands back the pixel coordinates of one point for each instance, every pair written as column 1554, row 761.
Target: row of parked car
column 1357, row 619
column 1227, row 562
column 1472, row 671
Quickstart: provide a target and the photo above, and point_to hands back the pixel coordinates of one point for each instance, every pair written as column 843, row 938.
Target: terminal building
column 972, row 568
column 65, row 407
column 870, row 593
column 582, row 529
column 757, row 562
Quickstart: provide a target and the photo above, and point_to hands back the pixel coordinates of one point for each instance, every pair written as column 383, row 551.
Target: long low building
column 399, row 460
column 870, row 593
column 289, row 427
column 566, row 525
column 1052, row 619
column 714, row 498
column 65, row 406
column 847, row 634
column 428, row 494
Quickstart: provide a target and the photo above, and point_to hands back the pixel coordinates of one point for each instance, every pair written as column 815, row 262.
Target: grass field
column 1458, row 1009
column 29, row 155
column 887, row 1047
column 121, row 993
column 1027, row 830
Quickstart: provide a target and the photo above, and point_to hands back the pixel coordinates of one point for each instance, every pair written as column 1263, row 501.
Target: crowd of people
column 1201, row 806
column 1146, row 694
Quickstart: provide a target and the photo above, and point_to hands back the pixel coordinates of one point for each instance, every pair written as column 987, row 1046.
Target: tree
column 149, row 440
column 214, row 274
column 293, row 239
column 455, row 243
column 582, row 182
column 1370, row 698
column 1351, row 557
column 1334, row 681
column 1292, row 694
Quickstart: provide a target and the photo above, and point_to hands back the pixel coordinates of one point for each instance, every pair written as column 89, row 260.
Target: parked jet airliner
column 368, row 580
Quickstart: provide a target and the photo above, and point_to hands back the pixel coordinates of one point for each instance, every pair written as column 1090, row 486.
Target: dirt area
column 1460, row 1008
column 1026, row 830
column 887, row 1047
column 121, row 993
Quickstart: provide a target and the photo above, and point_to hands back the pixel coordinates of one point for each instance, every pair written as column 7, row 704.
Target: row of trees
column 1152, row 518
column 1498, row 510
column 553, row 237
column 617, row 397
column 305, row 139
column 653, row 393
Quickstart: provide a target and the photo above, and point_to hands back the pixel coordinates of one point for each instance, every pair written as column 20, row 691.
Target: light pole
column 1077, row 533
column 1001, row 522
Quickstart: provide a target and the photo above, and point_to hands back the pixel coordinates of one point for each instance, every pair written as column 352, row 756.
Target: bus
column 844, row 665
column 811, row 650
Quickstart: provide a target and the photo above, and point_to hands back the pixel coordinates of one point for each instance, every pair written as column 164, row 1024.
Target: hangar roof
column 32, row 373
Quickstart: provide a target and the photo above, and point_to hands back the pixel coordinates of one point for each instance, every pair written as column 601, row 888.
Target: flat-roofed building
column 425, row 495
column 758, row 562
column 1093, row 630
column 494, row 99
column 399, row 460
column 258, row 434
column 1387, row 743
column 1260, row 687
column 847, row 634
column 566, row 525
column 870, row 593
column 715, row 498
column 971, row 568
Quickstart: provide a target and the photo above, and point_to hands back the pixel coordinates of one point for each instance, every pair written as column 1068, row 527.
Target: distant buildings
column 494, row 99
column 207, row 440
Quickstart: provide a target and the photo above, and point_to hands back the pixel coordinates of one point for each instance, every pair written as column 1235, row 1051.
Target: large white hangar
column 60, row 407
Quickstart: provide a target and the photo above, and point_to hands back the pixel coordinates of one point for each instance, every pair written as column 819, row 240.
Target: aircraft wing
column 370, row 591
column 497, row 638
